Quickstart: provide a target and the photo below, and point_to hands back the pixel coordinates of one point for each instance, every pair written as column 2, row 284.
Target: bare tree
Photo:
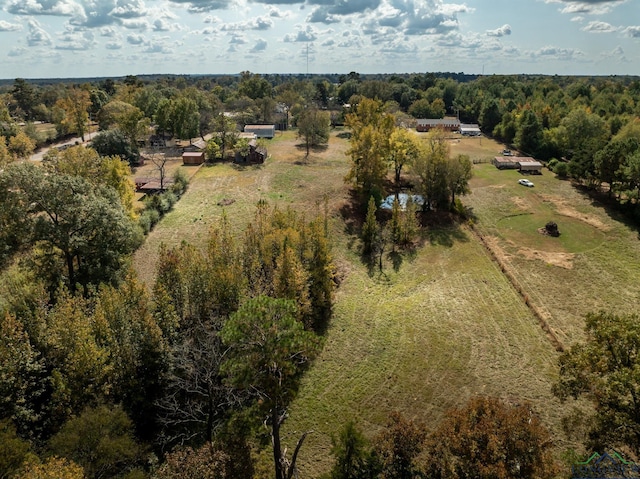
column 159, row 161
column 196, row 399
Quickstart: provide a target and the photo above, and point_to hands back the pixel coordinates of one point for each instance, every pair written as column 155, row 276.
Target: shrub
column 562, row 170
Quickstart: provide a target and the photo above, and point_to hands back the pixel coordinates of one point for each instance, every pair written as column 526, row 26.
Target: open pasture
column 591, row 266
column 443, row 323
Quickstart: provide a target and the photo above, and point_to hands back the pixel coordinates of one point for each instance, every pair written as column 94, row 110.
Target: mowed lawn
column 439, row 325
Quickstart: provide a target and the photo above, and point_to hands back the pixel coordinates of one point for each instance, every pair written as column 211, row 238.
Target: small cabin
column 193, row 157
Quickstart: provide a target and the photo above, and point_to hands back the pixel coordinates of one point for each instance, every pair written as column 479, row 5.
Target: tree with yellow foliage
column 75, row 107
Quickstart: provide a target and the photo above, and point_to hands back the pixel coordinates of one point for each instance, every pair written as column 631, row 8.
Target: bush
column 180, row 183
column 562, row 170
column 148, row 219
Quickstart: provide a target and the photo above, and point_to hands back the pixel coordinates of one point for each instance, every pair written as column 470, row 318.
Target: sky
column 113, row 38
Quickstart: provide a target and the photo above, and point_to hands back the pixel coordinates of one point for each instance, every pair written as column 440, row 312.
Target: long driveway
column 38, row 155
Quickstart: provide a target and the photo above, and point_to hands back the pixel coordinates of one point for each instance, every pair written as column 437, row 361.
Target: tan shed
column 193, row 157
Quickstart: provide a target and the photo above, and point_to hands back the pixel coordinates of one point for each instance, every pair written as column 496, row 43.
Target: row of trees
column 487, row 438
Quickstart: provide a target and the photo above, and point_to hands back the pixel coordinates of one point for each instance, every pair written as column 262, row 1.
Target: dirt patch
column 562, row 260
column 564, row 209
column 520, row 203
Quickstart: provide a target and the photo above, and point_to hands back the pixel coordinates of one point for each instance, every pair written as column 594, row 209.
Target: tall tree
column 398, row 447
column 75, row 104
column 403, row 148
column 100, row 171
column 371, row 130
column 226, row 130
column 459, row 172
column 429, row 169
column 353, row 455
column 313, row 127
column 84, row 225
column 606, row 369
column 185, row 118
column 26, row 97
column 22, row 378
column 583, row 134
column 268, row 350
column 528, row 137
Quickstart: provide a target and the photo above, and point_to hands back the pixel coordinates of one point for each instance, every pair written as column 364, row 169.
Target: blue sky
column 87, row 38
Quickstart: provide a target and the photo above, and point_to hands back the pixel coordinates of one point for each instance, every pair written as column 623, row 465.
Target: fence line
column 541, row 316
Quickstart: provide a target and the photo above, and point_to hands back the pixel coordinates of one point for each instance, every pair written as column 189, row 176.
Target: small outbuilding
column 261, row 131
column 530, row 166
column 193, row 157
column 505, row 162
column 470, row 129
column 524, row 164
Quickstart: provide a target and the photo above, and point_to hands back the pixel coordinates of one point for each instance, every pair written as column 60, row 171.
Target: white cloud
column 599, row 27
column 557, row 53
column 9, row 27
column 72, row 40
column 237, row 39
column 113, row 46
column 633, row 32
column 65, row 8
column 164, row 25
column 260, row 46
column 129, row 9
column 137, row 24
column 108, row 32
column 259, row 23
column 306, row 35
column 135, row 39
column 17, row 52
column 37, row 35
column 616, row 54
column 203, row 6
column 500, row 31
column 277, row 13
column 590, row 7
column 157, row 47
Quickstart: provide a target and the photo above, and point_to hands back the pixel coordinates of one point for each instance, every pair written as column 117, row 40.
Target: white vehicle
column 527, row 183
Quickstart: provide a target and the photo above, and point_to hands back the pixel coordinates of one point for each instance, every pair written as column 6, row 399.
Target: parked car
column 527, row 183
column 507, row 153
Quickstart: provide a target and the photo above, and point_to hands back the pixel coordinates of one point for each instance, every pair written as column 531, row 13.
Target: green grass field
column 445, row 323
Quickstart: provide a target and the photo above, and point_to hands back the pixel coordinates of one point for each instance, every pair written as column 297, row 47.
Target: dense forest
column 101, row 376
